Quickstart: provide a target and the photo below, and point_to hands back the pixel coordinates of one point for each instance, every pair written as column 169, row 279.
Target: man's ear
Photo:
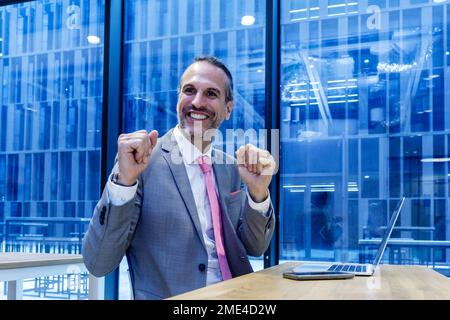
column 229, row 109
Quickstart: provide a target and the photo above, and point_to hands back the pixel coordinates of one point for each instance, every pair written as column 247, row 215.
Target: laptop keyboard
column 347, row 268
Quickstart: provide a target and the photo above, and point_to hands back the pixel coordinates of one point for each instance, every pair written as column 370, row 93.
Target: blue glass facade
column 50, row 117
column 364, row 121
column 157, row 50
column 50, row 123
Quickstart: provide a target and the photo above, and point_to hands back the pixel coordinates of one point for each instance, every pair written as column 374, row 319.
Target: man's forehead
column 205, row 71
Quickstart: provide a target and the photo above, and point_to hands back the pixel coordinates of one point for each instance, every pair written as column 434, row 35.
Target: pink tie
column 205, row 165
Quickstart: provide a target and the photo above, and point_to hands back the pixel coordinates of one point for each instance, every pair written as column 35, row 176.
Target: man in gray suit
column 181, row 225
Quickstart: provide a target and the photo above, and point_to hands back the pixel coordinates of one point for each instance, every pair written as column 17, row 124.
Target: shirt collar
column 189, row 152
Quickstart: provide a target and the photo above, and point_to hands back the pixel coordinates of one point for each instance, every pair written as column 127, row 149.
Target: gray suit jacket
column 159, row 230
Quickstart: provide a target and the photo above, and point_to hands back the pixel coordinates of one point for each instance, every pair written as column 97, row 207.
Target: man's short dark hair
column 219, row 64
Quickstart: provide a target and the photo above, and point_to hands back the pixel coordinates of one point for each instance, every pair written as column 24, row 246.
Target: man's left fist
column 256, row 167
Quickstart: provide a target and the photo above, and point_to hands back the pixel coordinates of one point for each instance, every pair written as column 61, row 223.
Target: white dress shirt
column 119, row 195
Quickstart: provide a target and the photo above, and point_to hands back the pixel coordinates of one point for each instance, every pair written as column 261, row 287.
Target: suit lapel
column 170, row 152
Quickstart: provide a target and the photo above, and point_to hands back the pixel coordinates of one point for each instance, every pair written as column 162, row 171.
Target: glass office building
column 157, row 52
column 362, row 104
column 51, row 96
column 50, row 123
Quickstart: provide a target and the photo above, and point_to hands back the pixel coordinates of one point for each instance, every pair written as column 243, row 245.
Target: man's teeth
column 197, row 116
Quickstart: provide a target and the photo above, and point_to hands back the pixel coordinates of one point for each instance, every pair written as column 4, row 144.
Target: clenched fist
column 256, row 167
column 134, row 152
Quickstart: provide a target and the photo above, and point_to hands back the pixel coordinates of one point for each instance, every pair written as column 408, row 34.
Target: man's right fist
column 134, row 152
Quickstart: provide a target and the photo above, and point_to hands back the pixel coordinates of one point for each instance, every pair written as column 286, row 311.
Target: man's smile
column 196, row 115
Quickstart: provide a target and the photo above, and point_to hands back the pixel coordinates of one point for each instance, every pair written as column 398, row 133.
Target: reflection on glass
column 362, row 105
column 50, row 127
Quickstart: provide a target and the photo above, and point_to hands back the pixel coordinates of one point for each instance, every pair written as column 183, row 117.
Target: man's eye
column 189, row 90
column 211, row 94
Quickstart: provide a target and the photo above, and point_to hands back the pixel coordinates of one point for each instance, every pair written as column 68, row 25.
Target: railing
column 411, row 229
column 408, row 245
column 50, row 235
column 46, row 235
column 400, row 256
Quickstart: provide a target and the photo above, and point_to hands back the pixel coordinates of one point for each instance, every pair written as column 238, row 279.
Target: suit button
column 201, row 267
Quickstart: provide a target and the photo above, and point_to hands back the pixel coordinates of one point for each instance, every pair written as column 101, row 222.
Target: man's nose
column 199, row 99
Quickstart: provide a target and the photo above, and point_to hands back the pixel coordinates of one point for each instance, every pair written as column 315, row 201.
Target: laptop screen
column 388, row 232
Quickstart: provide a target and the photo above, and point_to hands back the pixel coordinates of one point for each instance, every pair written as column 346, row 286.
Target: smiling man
column 184, row 224
column 205, row 98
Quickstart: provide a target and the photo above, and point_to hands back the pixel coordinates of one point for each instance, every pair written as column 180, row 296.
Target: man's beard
column 197, row 135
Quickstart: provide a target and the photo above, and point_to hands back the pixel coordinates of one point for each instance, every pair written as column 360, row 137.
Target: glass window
column 147, row 81
column 153, row 64
column 51, row 66
column 363, row 111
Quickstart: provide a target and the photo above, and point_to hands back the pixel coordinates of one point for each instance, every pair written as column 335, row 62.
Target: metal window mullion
column 272, row 116
column 112, row 108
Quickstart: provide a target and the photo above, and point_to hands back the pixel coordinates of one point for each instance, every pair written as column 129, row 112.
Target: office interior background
column 362, row 109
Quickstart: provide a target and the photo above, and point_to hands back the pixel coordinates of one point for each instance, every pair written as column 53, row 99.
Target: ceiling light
column 431, row 77
column 247, row 20
column 427, row 160
column 93, row 39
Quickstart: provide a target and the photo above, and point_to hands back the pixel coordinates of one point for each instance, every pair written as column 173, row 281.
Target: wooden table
column 393, row 282
column 16, row 266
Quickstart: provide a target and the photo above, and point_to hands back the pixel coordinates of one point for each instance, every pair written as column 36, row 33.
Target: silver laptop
column 356, row 268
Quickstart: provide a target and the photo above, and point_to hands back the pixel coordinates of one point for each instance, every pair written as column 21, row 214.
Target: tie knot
column 205, row 164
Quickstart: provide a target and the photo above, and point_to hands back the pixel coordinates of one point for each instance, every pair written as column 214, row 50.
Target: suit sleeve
column 110, row 233
column 255, row 228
